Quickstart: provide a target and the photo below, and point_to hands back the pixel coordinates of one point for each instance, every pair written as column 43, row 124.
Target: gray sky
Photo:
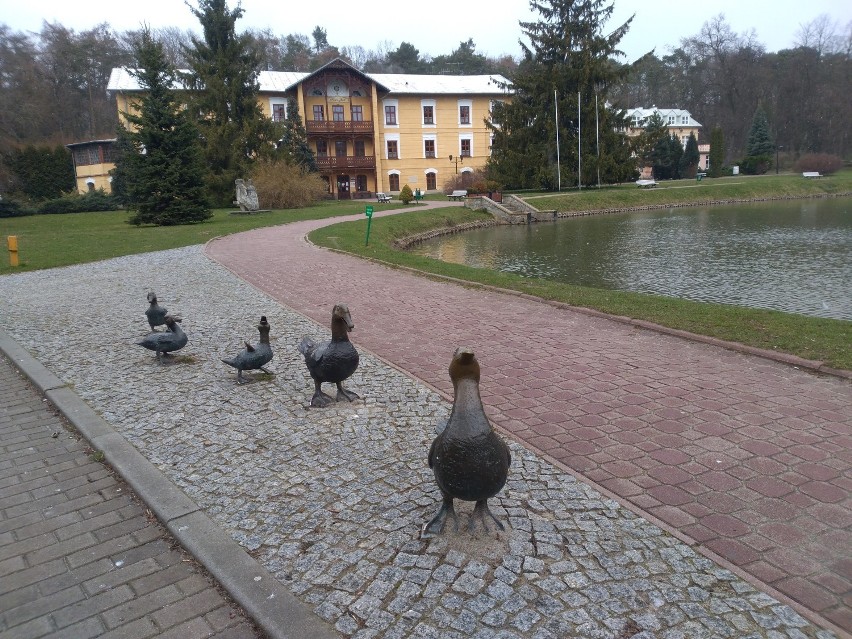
column 437, row 27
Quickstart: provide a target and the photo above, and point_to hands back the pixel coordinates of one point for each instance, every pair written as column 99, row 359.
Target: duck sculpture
column 165, row 342
column 253, row 357
column 332, row 361
column 469, row 460
column 155, row 313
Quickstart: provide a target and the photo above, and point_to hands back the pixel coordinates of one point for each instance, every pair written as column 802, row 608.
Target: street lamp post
column 456, row 162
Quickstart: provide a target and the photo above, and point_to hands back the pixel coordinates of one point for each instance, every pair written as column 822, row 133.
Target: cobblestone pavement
column 331, row 501
column 79, row 554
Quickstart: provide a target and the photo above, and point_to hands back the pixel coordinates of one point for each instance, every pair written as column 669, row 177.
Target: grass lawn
column 47, row 241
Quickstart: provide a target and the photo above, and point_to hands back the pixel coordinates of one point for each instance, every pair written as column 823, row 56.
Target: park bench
column 646, row 184
column 811, row 174
column 458, row 195
column 383, row 197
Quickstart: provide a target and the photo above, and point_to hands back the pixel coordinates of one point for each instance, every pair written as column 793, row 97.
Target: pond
column 792, row 256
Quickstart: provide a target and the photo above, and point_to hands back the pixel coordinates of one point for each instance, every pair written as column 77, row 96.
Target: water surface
column 793, row 256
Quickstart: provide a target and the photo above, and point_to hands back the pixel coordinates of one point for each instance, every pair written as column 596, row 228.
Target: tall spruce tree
column 759, row 140
column 569, row 54
column 223, row 83
column 159, row 171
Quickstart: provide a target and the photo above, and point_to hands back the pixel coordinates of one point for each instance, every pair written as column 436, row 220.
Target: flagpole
column 556, row 119
column 579, row 161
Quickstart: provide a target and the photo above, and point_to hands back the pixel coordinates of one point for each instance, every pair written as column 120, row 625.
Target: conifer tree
column 690, row 158
column 569, row 53
column 759, row 139
column 159, row 170
column 717, row 152
column 293, row 144
column 223, row 79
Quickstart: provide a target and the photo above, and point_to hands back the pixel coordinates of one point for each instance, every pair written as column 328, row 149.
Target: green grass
column 47, row 241
column 740, row 187
column 811, row 338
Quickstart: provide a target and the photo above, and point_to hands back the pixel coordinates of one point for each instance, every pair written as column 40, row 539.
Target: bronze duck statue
column 155, row 313
column 253, row 357
column 332, row 361
column 470, row 461
column 165, row 342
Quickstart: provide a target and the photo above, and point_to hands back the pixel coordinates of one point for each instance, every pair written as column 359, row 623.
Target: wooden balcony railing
column 333, row 163
column 330, row 127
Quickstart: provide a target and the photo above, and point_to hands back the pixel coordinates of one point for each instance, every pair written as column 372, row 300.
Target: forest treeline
column 53, row 83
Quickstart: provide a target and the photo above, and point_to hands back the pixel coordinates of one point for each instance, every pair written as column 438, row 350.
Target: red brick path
column 745, row 457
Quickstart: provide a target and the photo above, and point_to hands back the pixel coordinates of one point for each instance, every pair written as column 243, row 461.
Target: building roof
column 643, row 114
column 120, row 79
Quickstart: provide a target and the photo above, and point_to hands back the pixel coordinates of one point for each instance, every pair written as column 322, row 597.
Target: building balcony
column 331, row 127
column 336, row 163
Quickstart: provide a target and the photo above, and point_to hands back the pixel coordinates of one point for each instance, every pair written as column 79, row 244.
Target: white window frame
column 273, row 102
column 433, row 138
column 466, row 136
column 393, row 137
column 433, row 104
column 469, row 105
column 394, row 103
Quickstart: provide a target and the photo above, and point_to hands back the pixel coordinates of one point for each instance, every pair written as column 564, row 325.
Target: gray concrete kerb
column 272, row 607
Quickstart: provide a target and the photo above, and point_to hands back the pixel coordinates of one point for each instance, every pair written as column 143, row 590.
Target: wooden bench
column 384, row 198
column 457, row 195
column 646, row 184
column 811, row 174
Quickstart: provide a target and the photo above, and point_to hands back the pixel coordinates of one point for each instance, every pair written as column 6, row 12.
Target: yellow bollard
column 12, row 241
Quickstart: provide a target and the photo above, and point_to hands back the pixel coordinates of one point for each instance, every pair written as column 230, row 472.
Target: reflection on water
column 789, row 256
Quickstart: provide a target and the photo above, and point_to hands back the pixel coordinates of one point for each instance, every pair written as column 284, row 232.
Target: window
column 360, row 183
column 431, row 181
column 428, row 115
column 429, row 148
column 393, row 182
column 357, row 113
column 393, row 150
column 279, row 113
column 319, row 114
column 465, row 147
column 337, row 112
column 671, row 119
column 390, row 114
column 464, row 114
column 359, row 149
column 322, row 149
column 340, row 148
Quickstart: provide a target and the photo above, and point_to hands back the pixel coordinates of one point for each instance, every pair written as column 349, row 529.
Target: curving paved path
column 747, row 459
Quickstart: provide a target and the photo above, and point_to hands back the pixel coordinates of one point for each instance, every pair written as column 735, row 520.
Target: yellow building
column 93, row 161
column 679, row 122
column 377, row 132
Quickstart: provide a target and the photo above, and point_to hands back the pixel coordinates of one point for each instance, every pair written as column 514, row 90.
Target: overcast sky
column 437, row 27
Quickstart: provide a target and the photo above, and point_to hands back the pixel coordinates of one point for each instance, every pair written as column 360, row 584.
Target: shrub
column 76, row 203
column 406, row 195
column 756, row 164
column 284, row 186
column 474, row 181
column 825, row 163
column 11, row 208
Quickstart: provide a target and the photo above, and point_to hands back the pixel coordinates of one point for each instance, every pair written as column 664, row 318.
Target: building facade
column 93, row 160
column 678, row 121
column 376, row 132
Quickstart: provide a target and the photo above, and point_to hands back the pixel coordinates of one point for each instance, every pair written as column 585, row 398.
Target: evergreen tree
column 293, row 144
column 759, row 139
column 690, row 158
column 223, row 79
column 159, row 170
column 665, row 158
column 570, row 53
column 717, row 152
column 42, row 173
column 646, row 143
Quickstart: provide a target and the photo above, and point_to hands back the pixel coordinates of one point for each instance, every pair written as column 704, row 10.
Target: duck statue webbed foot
column 469, row 460
column 333, row 361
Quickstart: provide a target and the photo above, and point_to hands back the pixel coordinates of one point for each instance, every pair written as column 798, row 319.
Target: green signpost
column 369, row 214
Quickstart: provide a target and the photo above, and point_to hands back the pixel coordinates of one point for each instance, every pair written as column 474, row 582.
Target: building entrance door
column 343, row 187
